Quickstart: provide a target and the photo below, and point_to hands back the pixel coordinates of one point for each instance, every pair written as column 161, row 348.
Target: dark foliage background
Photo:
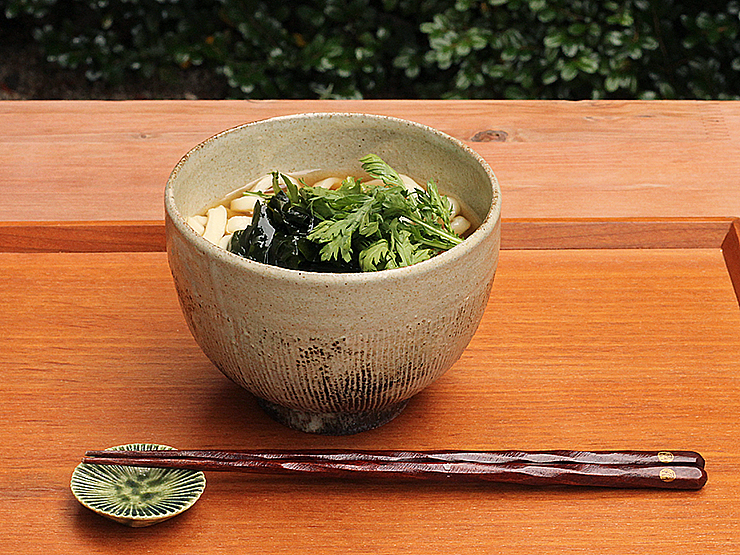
column 547, row 49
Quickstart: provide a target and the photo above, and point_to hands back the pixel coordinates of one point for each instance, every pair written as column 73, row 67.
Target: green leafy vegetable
column 375, row 166
column 356, row 228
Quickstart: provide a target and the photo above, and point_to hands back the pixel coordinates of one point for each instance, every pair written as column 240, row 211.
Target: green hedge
column 549, row 49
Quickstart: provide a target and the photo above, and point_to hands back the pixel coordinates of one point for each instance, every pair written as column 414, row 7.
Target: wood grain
column 584, row 349
column 77, row 236
column 614, row 233
column 612, row 325
column 102, row 160
column 731, row 252
column 587, row 233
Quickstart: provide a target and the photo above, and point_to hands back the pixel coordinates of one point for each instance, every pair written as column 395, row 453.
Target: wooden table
column 613, row 324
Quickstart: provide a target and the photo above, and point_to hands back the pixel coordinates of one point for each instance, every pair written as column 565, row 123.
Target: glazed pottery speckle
column 331, row 353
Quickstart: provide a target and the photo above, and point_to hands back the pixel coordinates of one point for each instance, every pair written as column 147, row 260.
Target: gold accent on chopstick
column 665, row 457
column 667, row 474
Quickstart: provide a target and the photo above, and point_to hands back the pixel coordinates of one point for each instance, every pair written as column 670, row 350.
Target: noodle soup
column 233, row 213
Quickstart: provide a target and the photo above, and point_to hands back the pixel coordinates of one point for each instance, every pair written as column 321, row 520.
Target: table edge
column 517, row 234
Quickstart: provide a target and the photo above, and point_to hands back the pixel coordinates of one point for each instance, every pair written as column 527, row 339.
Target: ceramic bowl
column 331, row 353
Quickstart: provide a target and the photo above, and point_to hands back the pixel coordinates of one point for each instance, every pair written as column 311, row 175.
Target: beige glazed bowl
column 331, row 353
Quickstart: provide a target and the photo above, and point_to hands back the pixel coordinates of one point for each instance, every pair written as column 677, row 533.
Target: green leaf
column 537, row 5
column 577, row 29
column 569, row 72
column 374, row 256
column 375, row 166
column 570, row 49
column 403, row 247
column 612, row 83
column 704, row 21
column 554, row 40
column 546, row 15
column 549, row 77
column 588, row 63
column 291, row 188
column 337, row 234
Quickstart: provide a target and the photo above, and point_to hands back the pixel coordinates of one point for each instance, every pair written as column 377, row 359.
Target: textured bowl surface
column 136, row 496
column 331, row 353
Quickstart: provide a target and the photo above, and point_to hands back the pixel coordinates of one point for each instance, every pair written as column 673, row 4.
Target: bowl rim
column 486, row 228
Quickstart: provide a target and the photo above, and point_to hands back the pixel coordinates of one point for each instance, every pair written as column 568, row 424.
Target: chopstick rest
column 136, row 497
column 615, row 469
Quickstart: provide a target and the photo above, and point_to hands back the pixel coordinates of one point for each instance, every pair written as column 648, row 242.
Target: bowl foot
column 331, row 423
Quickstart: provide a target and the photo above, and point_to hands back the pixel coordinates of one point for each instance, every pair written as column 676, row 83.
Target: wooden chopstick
column 647, row 469
column 643, row 458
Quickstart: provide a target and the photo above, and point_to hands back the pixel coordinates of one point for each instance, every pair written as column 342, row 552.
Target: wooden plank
column 583, row 349
column 617, row 233
column 125, row 236
column 132, row 236
column 100, row 160
column 731, row 252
